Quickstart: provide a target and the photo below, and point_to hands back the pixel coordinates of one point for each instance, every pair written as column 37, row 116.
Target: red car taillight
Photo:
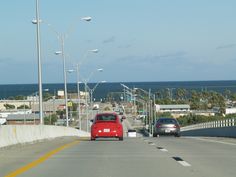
column 176, row 126
column 158, row 125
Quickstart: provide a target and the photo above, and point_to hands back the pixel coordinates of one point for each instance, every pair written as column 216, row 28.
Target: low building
column 173, row 108
column 19, row 119
column 230, row 110
column 211, row 112
column 4, row 114
column 15, row 103
column 176, row 110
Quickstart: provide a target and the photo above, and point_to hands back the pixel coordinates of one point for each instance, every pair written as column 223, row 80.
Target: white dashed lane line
column 181, row 161
column 177, row 159
column 151, row 143
column 162, row 149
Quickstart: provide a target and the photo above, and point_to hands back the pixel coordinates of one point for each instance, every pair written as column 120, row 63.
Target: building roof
column 22, row 117
column 175, row 106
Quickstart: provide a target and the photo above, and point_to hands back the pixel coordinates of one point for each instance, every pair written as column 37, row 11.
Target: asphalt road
column 133, row 157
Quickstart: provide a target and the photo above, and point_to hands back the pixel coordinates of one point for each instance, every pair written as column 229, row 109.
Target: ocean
column 104, row 88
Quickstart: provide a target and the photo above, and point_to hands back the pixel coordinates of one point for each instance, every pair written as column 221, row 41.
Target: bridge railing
column 213, row 124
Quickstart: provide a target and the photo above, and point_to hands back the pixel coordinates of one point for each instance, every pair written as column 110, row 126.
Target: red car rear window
column 106, row 117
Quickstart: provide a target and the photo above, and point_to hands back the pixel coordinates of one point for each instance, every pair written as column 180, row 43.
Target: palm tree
column 181, row 94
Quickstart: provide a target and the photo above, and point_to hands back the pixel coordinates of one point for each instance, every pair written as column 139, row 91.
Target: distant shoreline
column 8, row 90
column 129, row 82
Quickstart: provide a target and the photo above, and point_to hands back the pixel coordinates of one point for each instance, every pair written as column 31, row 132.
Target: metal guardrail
column 214, row 124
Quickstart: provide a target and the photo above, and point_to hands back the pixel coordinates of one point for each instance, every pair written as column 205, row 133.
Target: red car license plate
column 106, row 130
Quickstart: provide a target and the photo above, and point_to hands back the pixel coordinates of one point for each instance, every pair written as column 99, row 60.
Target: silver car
column 166, row 126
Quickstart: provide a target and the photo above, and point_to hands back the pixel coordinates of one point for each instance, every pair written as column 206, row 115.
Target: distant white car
column 95, row 106
column 3, row 121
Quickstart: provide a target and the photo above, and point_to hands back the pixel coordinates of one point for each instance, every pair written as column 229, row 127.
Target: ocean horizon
column 8, row 90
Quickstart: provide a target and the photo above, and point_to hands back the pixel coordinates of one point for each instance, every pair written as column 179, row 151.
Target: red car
column 107, row 125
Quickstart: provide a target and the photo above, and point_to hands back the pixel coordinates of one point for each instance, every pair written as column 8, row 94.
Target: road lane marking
column 215, row 141
column 181, row 161
column 40, row 160
column 162, row 149
column 84, row 139
column 151, row 143
column 185, row 164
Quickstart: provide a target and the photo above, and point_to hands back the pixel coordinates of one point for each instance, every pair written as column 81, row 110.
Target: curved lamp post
column 37, row 22
column 86, row 90
column 61, row 37
column 78, row 65
column 62, row 53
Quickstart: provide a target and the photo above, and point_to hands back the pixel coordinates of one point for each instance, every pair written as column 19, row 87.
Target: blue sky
column 138, row 40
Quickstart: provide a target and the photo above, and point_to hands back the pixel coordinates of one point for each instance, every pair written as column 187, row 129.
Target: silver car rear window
column 167, row 121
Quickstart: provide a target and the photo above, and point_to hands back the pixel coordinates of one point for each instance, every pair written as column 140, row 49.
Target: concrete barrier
column 19, row 134
column 213, row 132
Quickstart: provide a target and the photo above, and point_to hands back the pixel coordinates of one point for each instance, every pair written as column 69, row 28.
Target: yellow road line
column 40, row 160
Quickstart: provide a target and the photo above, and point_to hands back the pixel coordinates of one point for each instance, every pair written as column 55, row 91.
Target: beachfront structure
column 230, row 110
column 22, row 119
column 173, row 108
column 16, row 103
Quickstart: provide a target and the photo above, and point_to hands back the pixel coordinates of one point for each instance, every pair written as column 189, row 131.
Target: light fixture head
column 88, row 18
column 34, row 21
column 100, row 69
column 58, row 52
column 94, row 50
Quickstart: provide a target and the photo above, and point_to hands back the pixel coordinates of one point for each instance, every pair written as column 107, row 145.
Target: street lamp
column 61, row 37
column 86, row 98
column 62, row 53
column 93, row 89
column 128, row 91
column 88, row 18
column 78, row 82
column 78, row 65
column 37, row 22
column 64, row 74
column 152, row 108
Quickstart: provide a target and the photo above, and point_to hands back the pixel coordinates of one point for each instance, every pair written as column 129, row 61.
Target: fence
column 214, row 124
column 220, row 128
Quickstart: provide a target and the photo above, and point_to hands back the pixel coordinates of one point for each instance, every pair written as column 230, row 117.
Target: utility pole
column 39, row 64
